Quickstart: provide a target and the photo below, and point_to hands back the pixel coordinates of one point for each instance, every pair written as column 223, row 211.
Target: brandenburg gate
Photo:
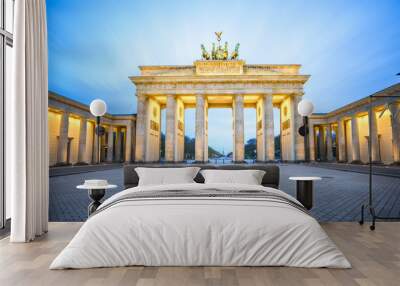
column 218, row 81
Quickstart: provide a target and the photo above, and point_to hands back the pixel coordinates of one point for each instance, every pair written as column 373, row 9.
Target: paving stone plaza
column 337, row 197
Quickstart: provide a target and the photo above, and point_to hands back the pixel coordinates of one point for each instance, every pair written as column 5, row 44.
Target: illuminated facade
column 215, row 84
column 72, row 139
column 337, row 136
column 342, row 135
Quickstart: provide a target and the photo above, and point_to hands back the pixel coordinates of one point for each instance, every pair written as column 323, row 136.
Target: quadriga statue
column 218, row 52
column 235, row 53
column 204, row 54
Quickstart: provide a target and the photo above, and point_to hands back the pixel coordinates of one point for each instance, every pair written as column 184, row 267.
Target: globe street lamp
column 98, row 108
column 305, row 109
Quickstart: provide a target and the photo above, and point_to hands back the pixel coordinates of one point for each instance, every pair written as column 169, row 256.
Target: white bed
column 202, row 231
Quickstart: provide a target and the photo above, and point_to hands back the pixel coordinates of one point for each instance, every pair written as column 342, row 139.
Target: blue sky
column 350, row 48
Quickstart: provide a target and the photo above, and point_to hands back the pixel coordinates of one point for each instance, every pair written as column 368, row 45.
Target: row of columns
column 63, row 139
column 172, row 150
column 325, row 144
column 325, row 137
column 110, row 144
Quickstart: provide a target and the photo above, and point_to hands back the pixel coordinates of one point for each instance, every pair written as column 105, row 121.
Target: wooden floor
column 375, row 257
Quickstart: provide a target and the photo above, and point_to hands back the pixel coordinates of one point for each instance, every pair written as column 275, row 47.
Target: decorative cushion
column 165, row 176
column 248, row 177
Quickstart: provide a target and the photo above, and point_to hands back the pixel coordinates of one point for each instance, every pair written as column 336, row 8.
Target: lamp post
column 305, row 109
column 98, row 108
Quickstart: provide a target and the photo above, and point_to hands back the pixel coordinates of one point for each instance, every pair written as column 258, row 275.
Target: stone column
column 128, row 143
column 341, row 141
column 268, row 132
column 374, row 136
column 311, row 140
column 355, row 140
column 200, row 128
column 297, row 123
column 395, row 120
column 321, row 143
column 118, row 144
column 170, row 136
column 205, row 143
column 141, row 127
column 63, row 139
column 329, row 152
column 110, row 144
column 179, row 153
column 238, row 123
column 82, row 140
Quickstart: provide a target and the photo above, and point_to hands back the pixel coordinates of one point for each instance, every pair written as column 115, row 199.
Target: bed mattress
column 201, row 225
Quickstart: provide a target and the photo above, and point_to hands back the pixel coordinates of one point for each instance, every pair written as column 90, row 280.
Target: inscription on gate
column 234, row 67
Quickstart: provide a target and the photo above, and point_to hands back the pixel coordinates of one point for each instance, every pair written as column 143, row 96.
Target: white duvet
column 193, row 231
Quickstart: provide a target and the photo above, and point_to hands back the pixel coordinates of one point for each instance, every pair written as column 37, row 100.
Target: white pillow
column 248, row 177
column 166, row 176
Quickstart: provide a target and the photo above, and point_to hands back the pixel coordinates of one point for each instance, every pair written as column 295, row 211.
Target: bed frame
column 270, row 179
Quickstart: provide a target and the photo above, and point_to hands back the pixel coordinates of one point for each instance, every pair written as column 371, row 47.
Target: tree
column 250, row 149
column 190, row 145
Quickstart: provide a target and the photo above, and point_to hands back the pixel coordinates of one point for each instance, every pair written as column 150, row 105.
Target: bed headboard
column 270, row 179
